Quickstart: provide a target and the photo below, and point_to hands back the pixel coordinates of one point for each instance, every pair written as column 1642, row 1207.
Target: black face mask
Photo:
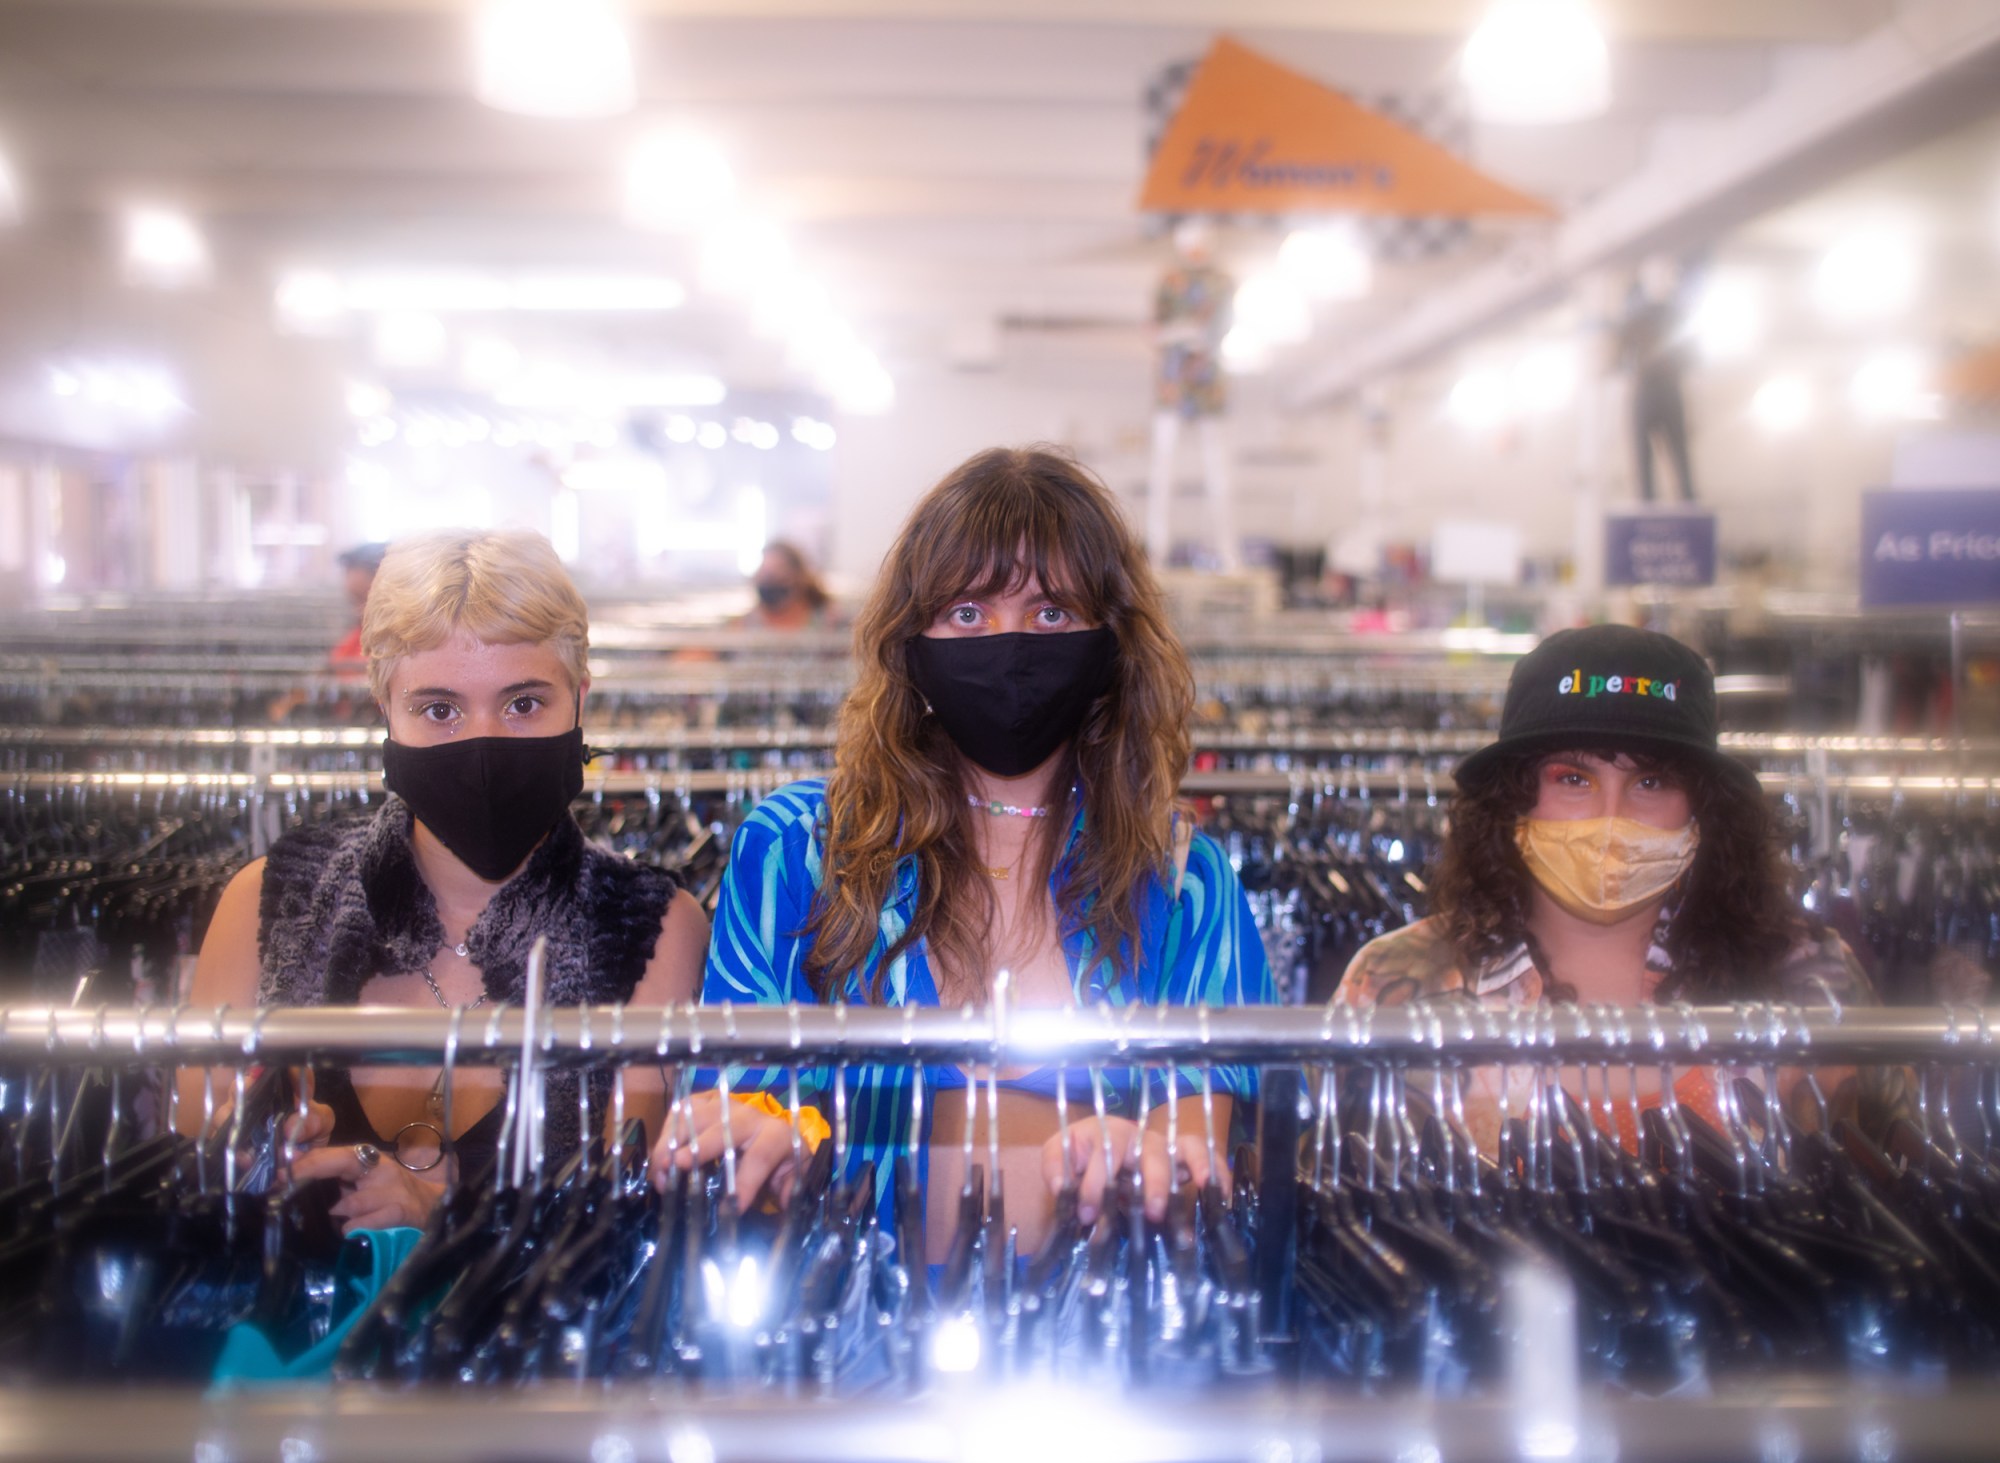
column 774, row 596
column 489, row 800
column 1008, row 701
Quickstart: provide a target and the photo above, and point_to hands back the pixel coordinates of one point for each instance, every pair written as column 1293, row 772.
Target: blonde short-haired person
column 476, row 646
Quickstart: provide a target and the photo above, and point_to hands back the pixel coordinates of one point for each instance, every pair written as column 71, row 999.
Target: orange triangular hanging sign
column 1255, row 137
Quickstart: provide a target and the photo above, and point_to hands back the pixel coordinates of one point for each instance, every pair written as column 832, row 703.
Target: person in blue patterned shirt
column 1003, row 799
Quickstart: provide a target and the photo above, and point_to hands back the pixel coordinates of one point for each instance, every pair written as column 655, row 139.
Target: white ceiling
column 945, row 165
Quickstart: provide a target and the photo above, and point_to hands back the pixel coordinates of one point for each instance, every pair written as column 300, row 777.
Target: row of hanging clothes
column 98, row 871
column 113, row 881
column 1366, row 1242
column 1911, row 882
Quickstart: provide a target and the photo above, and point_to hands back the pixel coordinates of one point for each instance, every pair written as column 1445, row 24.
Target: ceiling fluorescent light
column 671, row 390
column 1782, row 404
column 1328, row 263
column 1270, row 308
column 1728, row 318
column 437, row 291
column 861, row 385
column 1537, row 62
column 164, row 249
column 10, row 193
column 409, row 339
column 487, row 360
column 1478, row 400
column 462, row 292
column 366, row 400
column 587, row 294
column 309, row 302
column 1866, row 276
column 1895, row 384
column 1545, row 379
column 554, row 58
column 1243, row 354
column 743, row 256
column 677, row 182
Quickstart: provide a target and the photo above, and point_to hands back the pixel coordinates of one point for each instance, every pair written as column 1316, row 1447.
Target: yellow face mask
column 1601, row 869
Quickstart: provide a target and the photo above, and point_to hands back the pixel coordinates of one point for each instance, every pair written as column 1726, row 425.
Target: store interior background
column 962, row 264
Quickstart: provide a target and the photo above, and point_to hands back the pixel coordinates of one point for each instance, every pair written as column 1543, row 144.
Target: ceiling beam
column 1935, row 67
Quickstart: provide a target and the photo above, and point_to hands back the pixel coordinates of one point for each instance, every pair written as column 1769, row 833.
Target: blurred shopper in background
column 789, row 594
column 357, row 576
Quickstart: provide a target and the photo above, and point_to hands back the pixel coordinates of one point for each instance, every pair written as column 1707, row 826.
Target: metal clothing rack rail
column 1405, row 740
column 46, row 674
column 1442, row 1032
column 1532, row 1418
column 1298, row 782
column 356, row 1424
column 1281, row 1041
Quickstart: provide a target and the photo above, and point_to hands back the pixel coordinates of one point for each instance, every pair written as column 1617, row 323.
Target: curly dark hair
column 1737, row 916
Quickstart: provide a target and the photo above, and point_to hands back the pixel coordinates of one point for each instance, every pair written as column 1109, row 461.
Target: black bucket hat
column 1609, row 688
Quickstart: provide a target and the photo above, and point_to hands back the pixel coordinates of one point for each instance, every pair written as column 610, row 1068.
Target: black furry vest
column 342, row 903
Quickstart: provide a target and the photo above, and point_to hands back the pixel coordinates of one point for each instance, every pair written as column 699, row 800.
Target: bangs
column 1002, row 534
column 987, row 571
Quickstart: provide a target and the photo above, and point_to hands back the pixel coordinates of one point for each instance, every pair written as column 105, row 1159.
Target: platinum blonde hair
column 505, row 587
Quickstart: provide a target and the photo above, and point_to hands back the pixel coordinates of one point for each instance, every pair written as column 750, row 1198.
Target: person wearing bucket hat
column 1604, row 848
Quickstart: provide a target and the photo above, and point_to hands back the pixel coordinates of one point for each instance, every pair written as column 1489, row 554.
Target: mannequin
column 1191, row 312
column 1652, row 347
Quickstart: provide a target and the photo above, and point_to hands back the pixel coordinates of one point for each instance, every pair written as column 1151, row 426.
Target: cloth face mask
column 489, row 800
column 1601, row 869
column 1008, row 701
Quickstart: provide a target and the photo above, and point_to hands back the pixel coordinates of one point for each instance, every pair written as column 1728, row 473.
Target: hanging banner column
column 1254, row 137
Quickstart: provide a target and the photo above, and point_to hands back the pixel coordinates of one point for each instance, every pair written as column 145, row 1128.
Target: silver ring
column 437, row 1135
column 367, row 1155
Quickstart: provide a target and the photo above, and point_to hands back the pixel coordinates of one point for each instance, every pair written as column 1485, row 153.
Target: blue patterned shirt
column 758, row 957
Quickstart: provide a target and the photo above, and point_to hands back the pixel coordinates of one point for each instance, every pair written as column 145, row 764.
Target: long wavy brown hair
column 1736, row 918
column 898, row 789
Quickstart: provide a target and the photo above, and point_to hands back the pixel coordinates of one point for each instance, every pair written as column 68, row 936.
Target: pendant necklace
column 997, row 809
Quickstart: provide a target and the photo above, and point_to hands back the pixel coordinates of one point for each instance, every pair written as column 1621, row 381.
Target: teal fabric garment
column 1200, row 950
column 367, row 1259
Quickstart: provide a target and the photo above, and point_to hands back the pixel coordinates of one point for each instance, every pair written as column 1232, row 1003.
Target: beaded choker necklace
column 1005, row 810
